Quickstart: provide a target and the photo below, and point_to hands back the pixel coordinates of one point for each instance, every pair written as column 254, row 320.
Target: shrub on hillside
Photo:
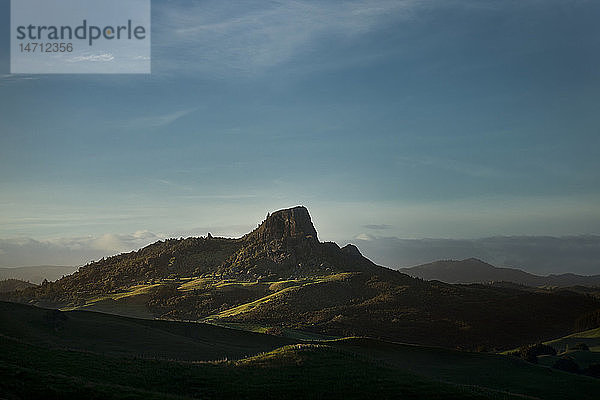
column 531, row 352
column 274, row 330
column 566, row 364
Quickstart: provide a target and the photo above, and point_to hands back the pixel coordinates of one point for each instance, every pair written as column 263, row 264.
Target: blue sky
column 406, row 119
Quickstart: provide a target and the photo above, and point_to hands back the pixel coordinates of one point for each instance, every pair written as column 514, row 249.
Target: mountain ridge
column 473, row 270
column 36, row 273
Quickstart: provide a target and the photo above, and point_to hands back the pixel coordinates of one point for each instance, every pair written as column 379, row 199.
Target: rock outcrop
column 291, row 223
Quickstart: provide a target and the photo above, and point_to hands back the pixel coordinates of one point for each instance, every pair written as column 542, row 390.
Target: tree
column 531, row 352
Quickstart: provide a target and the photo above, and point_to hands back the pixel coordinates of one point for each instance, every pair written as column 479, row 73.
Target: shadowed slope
column 110, row 334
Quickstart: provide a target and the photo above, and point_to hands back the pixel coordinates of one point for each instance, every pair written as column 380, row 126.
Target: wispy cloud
column 6, row 79
column 364, row 237
column 462, row 167
column 155, row 121
column 251, row 37
column 378, row 227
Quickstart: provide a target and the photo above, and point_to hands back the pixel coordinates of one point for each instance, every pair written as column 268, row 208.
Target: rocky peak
column 284, row 224
column 352, row 250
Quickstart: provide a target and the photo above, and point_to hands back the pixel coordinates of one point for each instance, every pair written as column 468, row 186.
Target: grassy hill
column 306, row 371
column 429, row 313
column 116, row 335
column 97, row 356
column 389, row 305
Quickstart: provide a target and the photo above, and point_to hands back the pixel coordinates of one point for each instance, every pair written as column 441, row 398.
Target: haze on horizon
column 389, row 120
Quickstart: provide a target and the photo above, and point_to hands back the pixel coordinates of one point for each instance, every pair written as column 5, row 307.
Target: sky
column 389, row 120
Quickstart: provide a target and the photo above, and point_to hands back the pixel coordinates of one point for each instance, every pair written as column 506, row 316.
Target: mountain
column 286, row 246
column 37, row 273
column 473, row 270
column 280, row 278
column 10, row 285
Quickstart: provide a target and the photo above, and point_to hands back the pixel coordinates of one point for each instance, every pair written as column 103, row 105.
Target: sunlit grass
column 135, row 290
column 291, row 285
column 591, row 338
column 196, row 284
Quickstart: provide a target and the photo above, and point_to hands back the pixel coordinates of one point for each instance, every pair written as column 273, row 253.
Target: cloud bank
column 70, row 251
column 535, row 254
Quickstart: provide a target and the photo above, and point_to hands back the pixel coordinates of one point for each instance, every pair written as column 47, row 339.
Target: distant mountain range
column 36, row 274
column 473, row 270
column 281, row 277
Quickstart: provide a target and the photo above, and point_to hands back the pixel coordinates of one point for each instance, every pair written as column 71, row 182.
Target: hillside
column 473, row 270
column 428, row 313
column 281, row 277
column 122, row 336
column 304, row 372
column 10, row 285
column 129, row 365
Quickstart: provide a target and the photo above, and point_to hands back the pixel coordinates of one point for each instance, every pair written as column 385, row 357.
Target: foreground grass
column 124, row 336
column 497, row 372
column 82, row 354
column 305, row 371
column 26, row 383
